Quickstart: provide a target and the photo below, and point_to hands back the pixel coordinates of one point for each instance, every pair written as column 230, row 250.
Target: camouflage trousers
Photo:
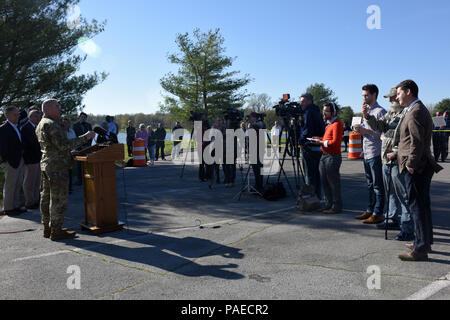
column 54, row 197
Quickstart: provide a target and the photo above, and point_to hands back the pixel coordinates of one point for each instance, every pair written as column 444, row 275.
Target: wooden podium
column 99, row 181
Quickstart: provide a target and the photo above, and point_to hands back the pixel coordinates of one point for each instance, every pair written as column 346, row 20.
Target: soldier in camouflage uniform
column 398, row 200
column 56, row 157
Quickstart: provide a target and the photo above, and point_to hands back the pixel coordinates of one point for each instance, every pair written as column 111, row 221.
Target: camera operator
column 257, row 124
column 219, row 125
column 312, row 125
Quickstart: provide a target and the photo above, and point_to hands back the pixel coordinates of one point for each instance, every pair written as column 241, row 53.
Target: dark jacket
column 131, row 134
column 151, row 139
column 32, row 149
column 82, row 128
column 312, row 124
column 11, row 147
column 161, row 135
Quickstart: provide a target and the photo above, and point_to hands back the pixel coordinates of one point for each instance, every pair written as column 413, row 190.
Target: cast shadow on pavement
column 167, row 253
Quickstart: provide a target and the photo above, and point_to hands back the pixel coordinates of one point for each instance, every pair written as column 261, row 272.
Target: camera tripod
column 247, row 187
column 291, row 143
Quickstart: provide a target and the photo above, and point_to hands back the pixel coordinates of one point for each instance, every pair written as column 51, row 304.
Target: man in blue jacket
column 312, row 125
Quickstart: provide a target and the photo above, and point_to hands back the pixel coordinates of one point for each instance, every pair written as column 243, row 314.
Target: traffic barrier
column 139, row 153
column 355, row 146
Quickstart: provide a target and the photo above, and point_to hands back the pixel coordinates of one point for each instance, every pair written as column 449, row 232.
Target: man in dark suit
column 12, row 162
column 418, row 165
column 82, row 127
column 32, row 159
column 160, row 142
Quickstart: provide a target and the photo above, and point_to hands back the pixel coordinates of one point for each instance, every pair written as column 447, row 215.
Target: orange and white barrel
column 139, row 153
column 355, row 146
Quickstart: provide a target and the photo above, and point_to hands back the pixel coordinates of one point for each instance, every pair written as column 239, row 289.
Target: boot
column 47, row 231
column 57, row 233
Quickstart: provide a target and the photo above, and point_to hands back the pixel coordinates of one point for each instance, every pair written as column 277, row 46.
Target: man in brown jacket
column 416, row 161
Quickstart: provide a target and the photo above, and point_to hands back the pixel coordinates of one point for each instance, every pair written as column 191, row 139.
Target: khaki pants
column 32, row 184
column 11, row 188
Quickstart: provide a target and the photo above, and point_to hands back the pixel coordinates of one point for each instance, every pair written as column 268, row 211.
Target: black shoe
column 405, row 237
column 390, row 226
column 33, row 207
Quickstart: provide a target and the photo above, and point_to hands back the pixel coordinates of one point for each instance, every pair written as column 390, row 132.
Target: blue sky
column 284, row 46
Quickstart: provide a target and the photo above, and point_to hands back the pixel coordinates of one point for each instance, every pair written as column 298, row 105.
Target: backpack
column 307, row 199
column 274, row 191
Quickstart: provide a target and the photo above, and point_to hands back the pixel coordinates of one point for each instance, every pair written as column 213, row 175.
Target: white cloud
column 89, row 47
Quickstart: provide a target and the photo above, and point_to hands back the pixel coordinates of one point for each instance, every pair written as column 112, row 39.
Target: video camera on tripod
column 287, row 109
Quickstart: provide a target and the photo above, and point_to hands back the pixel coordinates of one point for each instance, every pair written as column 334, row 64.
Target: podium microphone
column 100, row 131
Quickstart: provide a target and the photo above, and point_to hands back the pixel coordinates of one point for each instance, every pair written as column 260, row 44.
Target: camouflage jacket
column 55, row 145
column 389, row 125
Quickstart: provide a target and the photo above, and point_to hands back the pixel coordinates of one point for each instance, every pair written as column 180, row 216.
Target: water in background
column 122, row 137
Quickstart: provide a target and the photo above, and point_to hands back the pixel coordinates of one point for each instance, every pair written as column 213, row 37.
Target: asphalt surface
column 184, row 240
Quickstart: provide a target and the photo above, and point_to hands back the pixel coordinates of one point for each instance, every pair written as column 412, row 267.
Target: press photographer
column 256, row 121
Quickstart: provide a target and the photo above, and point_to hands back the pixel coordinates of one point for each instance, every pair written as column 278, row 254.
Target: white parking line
column 432, row 289
column 149, row 234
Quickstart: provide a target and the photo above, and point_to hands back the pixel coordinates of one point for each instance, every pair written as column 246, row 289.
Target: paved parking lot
column 185, row 241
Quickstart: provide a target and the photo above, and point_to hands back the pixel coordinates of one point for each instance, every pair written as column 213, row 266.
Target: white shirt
column 276, row 130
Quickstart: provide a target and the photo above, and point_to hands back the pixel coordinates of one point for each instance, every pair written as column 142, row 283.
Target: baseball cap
column 392, row 93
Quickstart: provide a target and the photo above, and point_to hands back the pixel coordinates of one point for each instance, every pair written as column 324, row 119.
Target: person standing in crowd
column 23, row 115
column 372, row 157
column 113, row 120
column 440, row 141
column 219, row 125
column 11, row 151
column 55, row 163
column 80, row 128
column 131, row 136
column 331, row 160
column 32, row 159
column 257, row 124
column 111, row 125
column 176, row 140
column 415, row 159
column 160, row 142
column 347, row 131
column 446, row 135
column 151, row 145
column 399, row 213
column 143, row 135
column 276, row 132
column 312, row 125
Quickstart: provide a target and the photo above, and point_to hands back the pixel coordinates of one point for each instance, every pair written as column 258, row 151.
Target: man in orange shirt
column 331, row 160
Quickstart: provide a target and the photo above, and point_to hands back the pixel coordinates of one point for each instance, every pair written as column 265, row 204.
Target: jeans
column 398, row 180
column 311, row 161
column 151, row 152
column 418, row 187
column 394, row 213
column 160, row 147
column 330, row 165
column 176, row 150
column 374, row 178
